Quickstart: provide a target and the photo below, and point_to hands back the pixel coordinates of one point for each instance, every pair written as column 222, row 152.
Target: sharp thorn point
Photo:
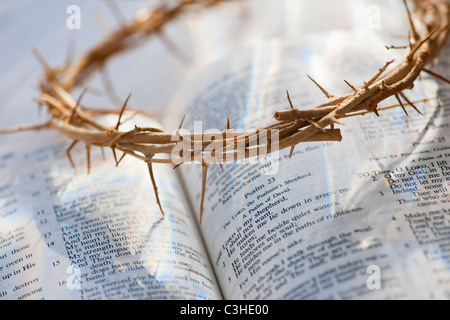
column 401, row 103
column 88, row 158
column 409, row 102
column 292, row 150
column 74, row 142
column 121, row 158
column 325, row 92
column 181, row 123
column 437, row 76
column 176, row 166
column 114, row 154
column 350, row 85
column 155, row 189
column 289, row 99
column 202, row 200
column 122, row 110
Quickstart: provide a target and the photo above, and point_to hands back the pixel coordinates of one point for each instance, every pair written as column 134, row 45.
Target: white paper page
column 65, row 234
column 363, row 218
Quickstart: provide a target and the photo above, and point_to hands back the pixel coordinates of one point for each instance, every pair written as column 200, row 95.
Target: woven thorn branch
column 429, row 24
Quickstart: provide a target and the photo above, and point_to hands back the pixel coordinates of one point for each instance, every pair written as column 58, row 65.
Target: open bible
column 367, row 217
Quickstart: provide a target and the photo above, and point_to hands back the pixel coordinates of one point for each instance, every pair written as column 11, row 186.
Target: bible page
column 367, row 217
column 67, row 234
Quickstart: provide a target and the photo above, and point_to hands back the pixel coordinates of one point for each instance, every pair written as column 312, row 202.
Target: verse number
column 271, row 180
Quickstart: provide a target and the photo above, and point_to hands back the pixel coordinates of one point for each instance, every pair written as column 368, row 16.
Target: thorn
column 74, row 110
column 351, row 86
column 420, row 43
column 41, row 59
column 74, row 142
column 121, row 158
column 213, row 154
column 176, row 166
column 437, row 76
column 26, row 128
column 72, row 115
column 329, row 96
column 289, row 99
column 409, row 102
column 372, row 107
column 401, row 103
column 411, row 22
column 114, row 154
column 228, row 123
column 361, row 113
column 103, row 154
column 396, row 47
column 181, row 123
column 177, row 132
column 202, row 200
column 155, row 189
column 88, row 158
column 81, row 96
column 121, row 111
column 377, row 75
column 292, row 150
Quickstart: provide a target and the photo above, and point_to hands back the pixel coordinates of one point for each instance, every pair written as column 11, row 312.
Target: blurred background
column 154, row 71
